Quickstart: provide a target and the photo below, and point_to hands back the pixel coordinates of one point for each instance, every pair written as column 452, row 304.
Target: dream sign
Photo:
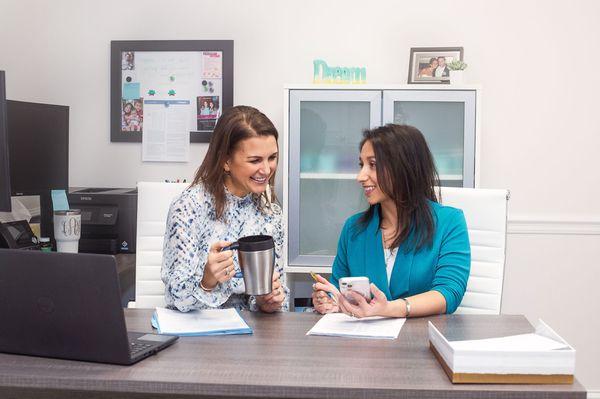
column 323, row 73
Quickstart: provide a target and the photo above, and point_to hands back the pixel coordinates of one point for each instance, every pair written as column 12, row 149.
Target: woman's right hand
column 219, row 265
column 322, row 302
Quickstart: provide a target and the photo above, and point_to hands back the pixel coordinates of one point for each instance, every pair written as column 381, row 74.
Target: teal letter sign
column 326, row 74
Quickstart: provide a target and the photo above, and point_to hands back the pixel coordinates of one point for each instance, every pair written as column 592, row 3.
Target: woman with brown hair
column 414, row 251
column 231, row 197
column 429, row 69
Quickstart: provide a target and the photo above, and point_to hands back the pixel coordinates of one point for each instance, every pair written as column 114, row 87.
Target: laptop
column 67, row 306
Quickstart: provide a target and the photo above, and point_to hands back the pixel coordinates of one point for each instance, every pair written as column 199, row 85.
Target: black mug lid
column 256, row 243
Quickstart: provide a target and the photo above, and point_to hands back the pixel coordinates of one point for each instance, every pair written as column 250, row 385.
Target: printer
column 108, row 218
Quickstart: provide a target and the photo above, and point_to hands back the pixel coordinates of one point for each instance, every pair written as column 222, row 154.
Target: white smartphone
column 359, row 285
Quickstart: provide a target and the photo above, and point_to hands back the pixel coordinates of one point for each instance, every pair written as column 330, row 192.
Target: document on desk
column 199, row 322
column 342, row 325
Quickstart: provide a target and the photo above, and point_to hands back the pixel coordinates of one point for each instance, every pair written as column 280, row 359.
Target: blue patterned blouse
column 190, row 231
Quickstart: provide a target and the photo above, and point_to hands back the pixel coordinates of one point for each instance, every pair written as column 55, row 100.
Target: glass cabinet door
column 325, row 129
column 447, row 120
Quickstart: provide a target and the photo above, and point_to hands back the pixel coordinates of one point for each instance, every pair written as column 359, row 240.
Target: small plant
column 457, row 65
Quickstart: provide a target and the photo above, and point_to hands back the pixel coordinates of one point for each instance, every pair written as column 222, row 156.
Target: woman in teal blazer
column 415, row 251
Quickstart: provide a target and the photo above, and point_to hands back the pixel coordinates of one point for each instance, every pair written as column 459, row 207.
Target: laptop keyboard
column 136, row 347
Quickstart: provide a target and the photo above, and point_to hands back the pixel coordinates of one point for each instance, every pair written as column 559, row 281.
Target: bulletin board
column 194, row 76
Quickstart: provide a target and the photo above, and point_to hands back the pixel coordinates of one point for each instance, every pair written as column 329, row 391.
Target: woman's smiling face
column 251, row 165
column 367, row 176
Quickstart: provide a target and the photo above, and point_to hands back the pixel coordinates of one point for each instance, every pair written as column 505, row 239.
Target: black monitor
column 38, row 137
column 39, row 147
column 4, row 162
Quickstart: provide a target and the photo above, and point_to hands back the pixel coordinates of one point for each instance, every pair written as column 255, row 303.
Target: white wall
column 536, row 62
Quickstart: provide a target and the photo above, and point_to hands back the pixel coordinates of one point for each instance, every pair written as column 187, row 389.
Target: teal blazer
column 443, row 266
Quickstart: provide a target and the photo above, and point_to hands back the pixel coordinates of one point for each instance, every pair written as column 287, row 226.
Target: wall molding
column 557, row 226
column 593, row 395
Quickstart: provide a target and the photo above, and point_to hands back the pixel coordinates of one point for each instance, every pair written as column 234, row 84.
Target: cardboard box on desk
column 542, row 357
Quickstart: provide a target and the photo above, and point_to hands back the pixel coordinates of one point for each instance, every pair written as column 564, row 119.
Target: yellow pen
column 331, row 295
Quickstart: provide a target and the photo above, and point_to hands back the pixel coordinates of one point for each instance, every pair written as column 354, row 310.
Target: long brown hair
column 406, row 173
column 236, row 124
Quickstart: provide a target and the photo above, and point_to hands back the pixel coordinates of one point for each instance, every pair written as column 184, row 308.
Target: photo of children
column 207, row 111
column 132, row 115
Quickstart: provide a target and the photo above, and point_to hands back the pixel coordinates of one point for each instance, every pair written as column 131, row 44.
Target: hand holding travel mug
column 67, row 230
column 257, row 261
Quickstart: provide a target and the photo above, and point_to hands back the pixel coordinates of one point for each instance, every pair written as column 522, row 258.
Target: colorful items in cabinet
column 349, row 75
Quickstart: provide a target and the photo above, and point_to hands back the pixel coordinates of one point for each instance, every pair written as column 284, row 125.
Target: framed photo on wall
column 194, row 76
column 429, row 64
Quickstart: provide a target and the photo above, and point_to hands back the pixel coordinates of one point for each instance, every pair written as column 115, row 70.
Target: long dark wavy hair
column 407, row 174
column 236, row 124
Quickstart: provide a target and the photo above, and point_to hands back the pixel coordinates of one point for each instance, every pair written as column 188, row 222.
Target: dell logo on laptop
column 45, row 304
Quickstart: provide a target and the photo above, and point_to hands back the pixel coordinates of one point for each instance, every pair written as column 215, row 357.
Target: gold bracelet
column 206, row 289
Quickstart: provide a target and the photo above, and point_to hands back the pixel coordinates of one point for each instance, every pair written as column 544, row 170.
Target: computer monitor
column 38, row 138
column 4, row 162
column 39, row 147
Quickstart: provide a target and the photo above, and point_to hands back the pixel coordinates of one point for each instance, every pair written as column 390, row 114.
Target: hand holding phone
column 359, row 285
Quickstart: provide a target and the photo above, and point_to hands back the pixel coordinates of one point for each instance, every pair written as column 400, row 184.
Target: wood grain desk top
column 277, row 361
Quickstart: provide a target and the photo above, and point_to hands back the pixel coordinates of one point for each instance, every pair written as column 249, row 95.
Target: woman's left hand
column 378, row 305
column 272, row 302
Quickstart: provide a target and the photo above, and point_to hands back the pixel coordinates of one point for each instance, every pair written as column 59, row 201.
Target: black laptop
column 67, row 306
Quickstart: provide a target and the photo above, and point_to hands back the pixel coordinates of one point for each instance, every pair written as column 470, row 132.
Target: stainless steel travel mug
column 257, row 261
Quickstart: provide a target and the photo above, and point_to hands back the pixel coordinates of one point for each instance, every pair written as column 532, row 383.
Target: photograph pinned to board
column 148, row 75
column 132, row 116
column 430, row 64
column 127, row 61
column 207, row 112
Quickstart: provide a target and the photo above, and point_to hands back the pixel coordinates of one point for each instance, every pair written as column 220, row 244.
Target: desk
column 277, row 361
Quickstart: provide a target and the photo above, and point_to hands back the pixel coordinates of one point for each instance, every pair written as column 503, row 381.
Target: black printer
column 108, row 218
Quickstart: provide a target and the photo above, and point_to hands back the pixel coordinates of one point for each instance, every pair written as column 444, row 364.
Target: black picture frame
column 417, row 54
column 117, row 47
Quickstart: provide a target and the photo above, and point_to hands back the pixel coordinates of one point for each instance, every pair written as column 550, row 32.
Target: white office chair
column 153, row 206
column 486, row 213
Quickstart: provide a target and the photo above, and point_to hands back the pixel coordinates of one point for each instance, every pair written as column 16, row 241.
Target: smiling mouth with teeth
column 368, row 189
column 261, row 180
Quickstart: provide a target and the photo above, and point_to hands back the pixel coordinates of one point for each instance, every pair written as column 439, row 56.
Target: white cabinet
column 447, row 119
column 323, row 129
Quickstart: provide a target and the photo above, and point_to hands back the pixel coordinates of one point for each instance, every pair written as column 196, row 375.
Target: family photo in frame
column 430, row 64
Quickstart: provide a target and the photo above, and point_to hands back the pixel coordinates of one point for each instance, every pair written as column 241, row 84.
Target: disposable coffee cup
column 257, row 261
column 67, row 230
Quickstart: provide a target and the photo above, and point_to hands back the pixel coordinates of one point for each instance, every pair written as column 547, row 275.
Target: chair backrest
column 153, row 206
column 486, row 214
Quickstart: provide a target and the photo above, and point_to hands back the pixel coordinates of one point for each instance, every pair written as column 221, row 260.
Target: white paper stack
column 199, row 322
column 540, row 357
column 342, row 325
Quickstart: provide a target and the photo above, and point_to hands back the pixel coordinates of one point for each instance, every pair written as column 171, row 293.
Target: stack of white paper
column 541, row 353
column 342, row 325
column 199, row 322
